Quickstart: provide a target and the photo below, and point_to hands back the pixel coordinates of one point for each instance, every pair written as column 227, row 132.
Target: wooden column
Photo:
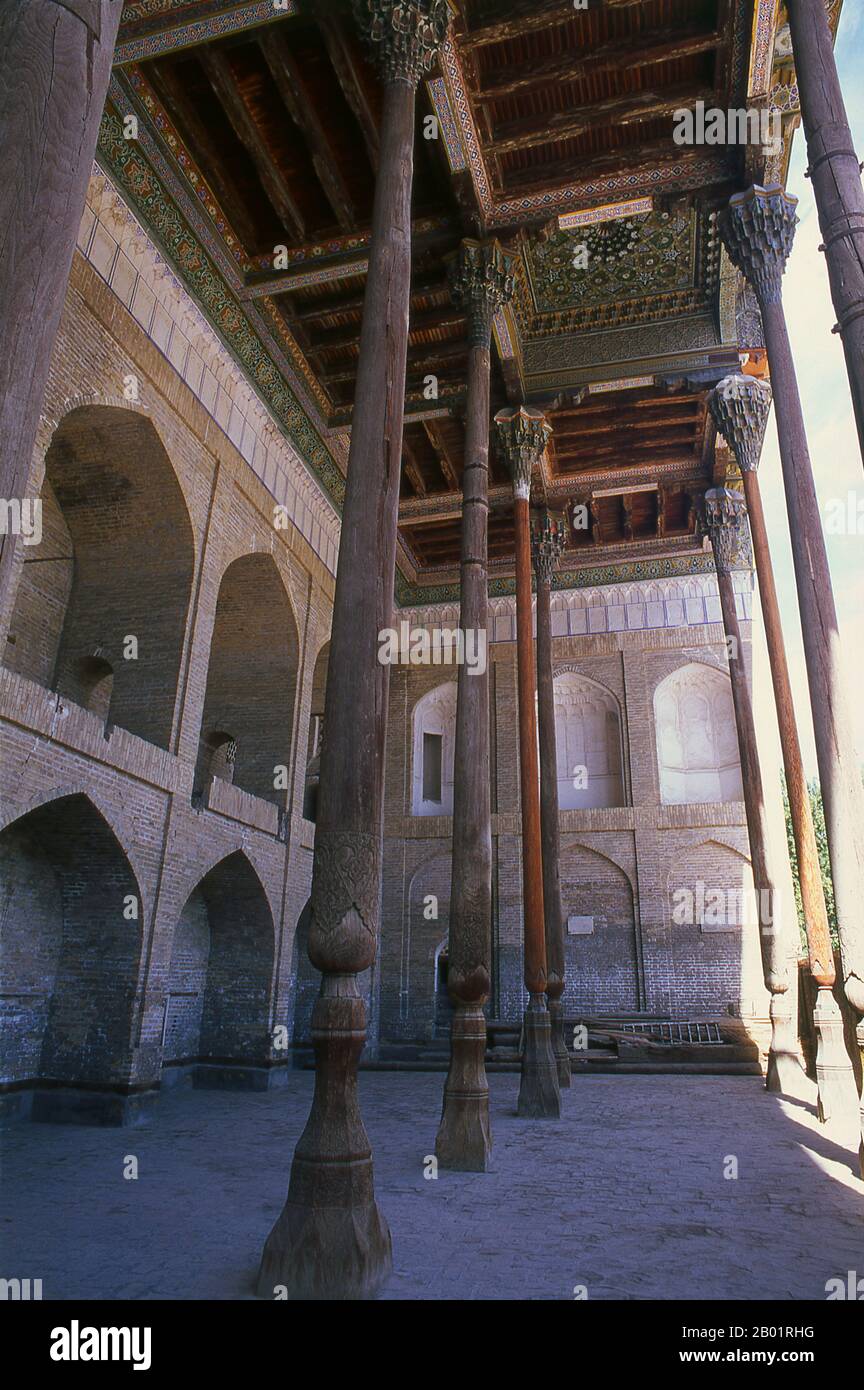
column 55, row 63
column 522, row 436
column 481, row 281
column 740, row 407
column 834, row 170
column 758, row 229
column 547, row 542
column 331, row 1241
column 724, row 519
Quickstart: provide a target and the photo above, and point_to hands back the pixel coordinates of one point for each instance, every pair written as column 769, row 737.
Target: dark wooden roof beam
column 509, row 19
column 528, row 132
column 446, row 463
column 289, row 83
column 221, row 78
column 616, row 55
column 342, row 53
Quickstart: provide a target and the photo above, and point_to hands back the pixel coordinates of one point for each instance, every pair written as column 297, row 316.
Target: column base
column 559, row 1043
column 784, row 1074
column 539, row 1092
column 326, row 1254
column 835, row 1078
column 331, row 1242
column 464, row 1139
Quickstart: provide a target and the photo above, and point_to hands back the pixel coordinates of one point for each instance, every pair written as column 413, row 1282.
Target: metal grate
column 677, row 1032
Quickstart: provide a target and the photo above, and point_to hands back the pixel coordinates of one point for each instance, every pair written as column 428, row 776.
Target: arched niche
column 316, row 734
column 713, row 932
column 70, row 946
column 601, row 963
column 101, row 607
column 588, row 743
column 251, row 682
column 433, row 756
column 697, row 741
column 218, row 988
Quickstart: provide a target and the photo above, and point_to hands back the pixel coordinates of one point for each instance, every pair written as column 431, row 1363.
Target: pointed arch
column 102, row 603
column 696, row 736
column 248, row 709
column 219, row 985
column 588, row 741
column 602, row 973
column 434, row 745
column 70, row 945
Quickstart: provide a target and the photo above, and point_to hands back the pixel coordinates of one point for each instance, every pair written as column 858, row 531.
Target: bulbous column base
column 784, row 1074
column 559, row 1042
column 464, row 1139
column 330, row 1241
column 835, row 1078
column 539, row 1092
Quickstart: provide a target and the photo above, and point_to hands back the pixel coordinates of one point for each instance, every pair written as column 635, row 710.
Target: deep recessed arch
column 588, row 743
column 434, row 752
column 70, row 946
column 696, row 733
column 102, row 602
column 251, row 682
column 316, row 734
column 219, row 984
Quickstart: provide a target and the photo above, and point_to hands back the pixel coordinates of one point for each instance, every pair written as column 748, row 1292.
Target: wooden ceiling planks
column 282, row 122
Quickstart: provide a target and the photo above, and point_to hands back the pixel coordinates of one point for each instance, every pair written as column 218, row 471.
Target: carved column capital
column 521, row 434
column 740, row 406
column 548, row 538
column 481, row 280
column 758, row 228
column 723, row 517
column 405, row 35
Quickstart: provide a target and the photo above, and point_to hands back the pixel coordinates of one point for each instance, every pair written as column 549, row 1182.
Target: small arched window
column 95, row 684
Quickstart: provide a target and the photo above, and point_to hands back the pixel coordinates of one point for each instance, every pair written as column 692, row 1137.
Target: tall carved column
column 758, row 229
column 724, row 518
column 522, row 436
column 547, row 542
column 836, row 176
column 481, row 281
column 740, row 406
column 55, row 63
column 331, row 1241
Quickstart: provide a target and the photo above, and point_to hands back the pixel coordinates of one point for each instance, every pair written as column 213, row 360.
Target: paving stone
column 624, row 1194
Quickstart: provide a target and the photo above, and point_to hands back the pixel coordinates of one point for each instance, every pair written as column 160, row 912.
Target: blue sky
column 822, row 379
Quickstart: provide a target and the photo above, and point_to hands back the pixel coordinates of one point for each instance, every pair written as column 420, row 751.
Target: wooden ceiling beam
column 339, row 338
column 615, row 55
column 617, row 427
column 342, row 54
column 289, row 83
column 221, row 79
column 173, row 95
column 412, row 469
column 446, row 463
column 324, row 308
column 529, row 132
column 512, row 18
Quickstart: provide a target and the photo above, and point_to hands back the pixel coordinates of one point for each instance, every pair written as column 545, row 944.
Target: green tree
column 818, row 812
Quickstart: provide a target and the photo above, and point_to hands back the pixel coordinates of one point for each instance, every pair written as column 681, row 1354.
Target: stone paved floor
column 625, row 1195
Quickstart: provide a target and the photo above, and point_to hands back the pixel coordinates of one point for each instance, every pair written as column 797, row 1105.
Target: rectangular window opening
column 432, row 745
